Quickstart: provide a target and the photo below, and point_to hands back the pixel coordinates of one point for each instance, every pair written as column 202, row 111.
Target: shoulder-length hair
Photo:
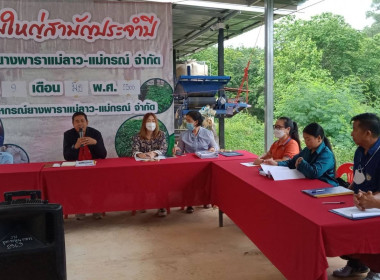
column 144, row 132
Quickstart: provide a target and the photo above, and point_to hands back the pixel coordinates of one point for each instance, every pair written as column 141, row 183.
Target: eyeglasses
column 278, row 126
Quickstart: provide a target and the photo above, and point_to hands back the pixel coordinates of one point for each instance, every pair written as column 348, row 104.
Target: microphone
column 81, row 134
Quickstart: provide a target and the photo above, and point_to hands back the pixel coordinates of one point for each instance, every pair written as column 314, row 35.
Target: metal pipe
column 221, row 92
column 268, row 74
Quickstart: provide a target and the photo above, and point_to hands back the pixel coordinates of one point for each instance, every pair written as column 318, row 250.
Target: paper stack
column 207, row 154
column 281, row 172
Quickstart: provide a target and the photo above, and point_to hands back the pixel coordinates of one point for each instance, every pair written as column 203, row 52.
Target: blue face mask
column 190, row 126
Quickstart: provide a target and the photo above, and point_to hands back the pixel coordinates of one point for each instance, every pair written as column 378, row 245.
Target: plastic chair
column 346, row 168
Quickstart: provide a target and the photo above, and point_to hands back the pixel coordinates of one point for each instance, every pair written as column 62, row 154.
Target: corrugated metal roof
column 193, row 25
column 194, row 20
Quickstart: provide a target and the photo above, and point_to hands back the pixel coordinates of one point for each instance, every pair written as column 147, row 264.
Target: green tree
column 374, row 13
column 331, row 34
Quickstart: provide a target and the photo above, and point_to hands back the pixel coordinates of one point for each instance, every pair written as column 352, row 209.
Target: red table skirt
column 295, row 231
column 15, row 177
column 124, row 184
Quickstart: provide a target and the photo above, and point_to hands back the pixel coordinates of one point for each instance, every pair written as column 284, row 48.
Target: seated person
column 195, row 139
column 149, row 143
column 88, row 146
column 366, row 135
column 367, row 200
column 316, row 161
column 83, row 143
column 288, row 143
column 5, row 158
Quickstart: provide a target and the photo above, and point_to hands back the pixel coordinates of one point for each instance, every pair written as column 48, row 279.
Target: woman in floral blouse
column 149, row 143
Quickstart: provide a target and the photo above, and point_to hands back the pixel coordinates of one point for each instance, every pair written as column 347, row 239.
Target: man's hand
column 357, row 198
column 366, row 200
column 85, row 141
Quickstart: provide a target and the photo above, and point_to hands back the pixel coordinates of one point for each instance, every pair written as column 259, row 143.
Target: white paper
column 248, row 164
column 85, row 163
column 282, row 172
column 354, row 212
column 68, row 163
column 150, row 159
column 56, row 165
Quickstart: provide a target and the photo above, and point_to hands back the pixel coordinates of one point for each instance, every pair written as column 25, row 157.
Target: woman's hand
column 151, row 155
column 212, row 149
column 141, row 155
column 298, row 162
column 258, row 161
column 175, row 149
column 270, row 161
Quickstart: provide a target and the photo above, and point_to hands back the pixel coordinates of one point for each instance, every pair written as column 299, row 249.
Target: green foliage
column 123, row 138
column 244, row 132
column 325, row 72
column 160, row 92
column 374, row 13
column 331, row 35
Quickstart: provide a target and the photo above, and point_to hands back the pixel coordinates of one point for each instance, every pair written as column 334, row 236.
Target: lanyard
column 362, row 168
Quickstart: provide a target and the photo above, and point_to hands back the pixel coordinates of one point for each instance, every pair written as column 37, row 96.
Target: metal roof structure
column 195, row 22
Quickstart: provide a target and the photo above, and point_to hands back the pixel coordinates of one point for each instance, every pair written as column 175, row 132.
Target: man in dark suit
column 89, row 145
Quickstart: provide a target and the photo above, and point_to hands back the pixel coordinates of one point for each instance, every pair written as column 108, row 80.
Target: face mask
column 190, row 126
column 278, row 133
column 151, row 126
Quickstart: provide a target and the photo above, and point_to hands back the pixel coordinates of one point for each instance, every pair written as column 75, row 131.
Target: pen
column 333, row 202
column 315, row 191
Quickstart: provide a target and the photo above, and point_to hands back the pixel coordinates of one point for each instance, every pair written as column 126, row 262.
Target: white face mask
column 151, row 126
column 279, row 133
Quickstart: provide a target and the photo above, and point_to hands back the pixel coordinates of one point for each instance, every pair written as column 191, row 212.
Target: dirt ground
column 177, row 247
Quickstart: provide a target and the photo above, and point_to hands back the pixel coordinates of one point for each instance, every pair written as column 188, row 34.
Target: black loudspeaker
column 32, row 242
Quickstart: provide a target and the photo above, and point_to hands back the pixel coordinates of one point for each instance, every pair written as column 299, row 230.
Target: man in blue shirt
column 365, row 133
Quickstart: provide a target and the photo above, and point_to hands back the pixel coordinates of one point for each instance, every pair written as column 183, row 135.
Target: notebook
column 231, row 154
column 353, row 213
column 279, row 173
column 330, row 191
column 207, row 154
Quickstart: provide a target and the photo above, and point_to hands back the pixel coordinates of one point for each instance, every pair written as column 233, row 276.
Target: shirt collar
column 283, row 143
column 321, row 147
column 374, row 147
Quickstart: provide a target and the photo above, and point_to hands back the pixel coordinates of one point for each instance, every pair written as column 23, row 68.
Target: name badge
column 359, row 177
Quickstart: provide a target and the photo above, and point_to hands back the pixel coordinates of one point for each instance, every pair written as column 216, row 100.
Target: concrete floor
column 178, row 247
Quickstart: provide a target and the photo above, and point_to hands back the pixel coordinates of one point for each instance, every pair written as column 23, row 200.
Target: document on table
column 330, row 191
column 68, row 163
column 151, row 159
column 81, row 163
column 354, row 213
column 281, row 172
column 248, row 164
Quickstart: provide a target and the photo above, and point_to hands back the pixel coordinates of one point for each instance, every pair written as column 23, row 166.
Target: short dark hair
column 79, row 114
column 196, row 116
column 368, row 121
